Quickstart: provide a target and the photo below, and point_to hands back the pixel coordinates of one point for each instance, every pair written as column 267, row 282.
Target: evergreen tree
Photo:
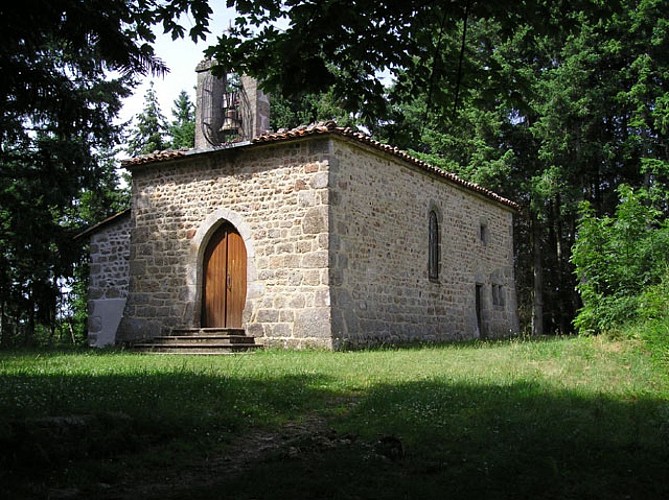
column 47, row 161
column 291, row 112
column 57, row 105
column 182, row 128
column 148, row 133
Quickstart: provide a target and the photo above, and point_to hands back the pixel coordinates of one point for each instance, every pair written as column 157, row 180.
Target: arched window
column 433, row 251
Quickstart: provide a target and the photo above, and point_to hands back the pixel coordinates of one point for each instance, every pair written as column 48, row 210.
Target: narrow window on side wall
column 433, row 256
column 484, row 233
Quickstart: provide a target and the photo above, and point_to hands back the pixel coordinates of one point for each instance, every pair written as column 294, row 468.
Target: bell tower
column 228, row 109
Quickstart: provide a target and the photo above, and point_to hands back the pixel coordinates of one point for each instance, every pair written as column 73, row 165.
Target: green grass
column 554, row 418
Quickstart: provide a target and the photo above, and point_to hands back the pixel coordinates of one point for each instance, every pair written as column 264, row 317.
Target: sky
column 181, row 57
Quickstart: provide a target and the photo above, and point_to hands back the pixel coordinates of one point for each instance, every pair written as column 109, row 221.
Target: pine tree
column 182, row 128
column 149, row 131
column 47, row 161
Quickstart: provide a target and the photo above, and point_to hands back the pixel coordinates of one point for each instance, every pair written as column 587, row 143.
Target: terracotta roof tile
column 330, row 127
column 156, row 156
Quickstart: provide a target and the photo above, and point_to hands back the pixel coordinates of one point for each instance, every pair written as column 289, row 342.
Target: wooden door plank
column 236, row 280
column 215, row 272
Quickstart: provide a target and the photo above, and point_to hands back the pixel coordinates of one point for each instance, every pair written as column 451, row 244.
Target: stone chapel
column 314, row 237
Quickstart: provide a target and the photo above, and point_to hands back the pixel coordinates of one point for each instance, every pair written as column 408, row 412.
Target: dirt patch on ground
column 302, row 439
column 254, row 446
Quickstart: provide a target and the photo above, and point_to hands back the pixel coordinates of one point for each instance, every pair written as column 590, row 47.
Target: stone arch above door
column 196, row 255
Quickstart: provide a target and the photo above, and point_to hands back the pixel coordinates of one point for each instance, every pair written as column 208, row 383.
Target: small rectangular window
column 484, row 233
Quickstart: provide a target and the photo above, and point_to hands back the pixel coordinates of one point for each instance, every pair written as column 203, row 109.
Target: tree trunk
column 538, row 295
column 29, row 332
column 3, row 332
column 563, row 289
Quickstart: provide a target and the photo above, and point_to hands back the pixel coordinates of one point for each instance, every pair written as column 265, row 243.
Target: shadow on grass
column 476, row 441
column 49, row 421
column 519, row 440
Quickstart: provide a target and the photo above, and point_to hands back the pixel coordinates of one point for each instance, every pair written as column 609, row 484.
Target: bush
column 621, row 263
column 653, row 303
column 606, row 314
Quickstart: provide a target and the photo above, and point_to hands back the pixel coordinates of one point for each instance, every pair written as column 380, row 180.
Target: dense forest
column 561, row 106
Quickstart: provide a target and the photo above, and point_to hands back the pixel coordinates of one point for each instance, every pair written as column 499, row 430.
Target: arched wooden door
column 224, row 280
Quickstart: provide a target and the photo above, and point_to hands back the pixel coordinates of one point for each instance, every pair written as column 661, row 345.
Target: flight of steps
column 200, row 341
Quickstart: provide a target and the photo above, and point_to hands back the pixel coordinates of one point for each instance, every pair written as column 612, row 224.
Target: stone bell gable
column 228, row 109
column 346, row 242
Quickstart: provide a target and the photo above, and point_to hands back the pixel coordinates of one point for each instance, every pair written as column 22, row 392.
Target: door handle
column 229, row 282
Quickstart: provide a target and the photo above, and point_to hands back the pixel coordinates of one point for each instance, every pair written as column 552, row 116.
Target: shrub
column 621, row 262
column 653, row 303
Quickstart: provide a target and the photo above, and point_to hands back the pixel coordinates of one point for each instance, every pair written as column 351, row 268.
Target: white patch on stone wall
column 104, row 318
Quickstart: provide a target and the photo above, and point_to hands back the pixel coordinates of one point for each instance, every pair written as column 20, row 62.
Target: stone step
column 195, row 350
column 207, row 331
column 209, row 341
column 203, row 339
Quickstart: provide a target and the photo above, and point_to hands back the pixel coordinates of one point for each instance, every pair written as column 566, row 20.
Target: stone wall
column 277, row 198
column 255, row 108
column 379, row 221
column 109, row 267
column 109, row 278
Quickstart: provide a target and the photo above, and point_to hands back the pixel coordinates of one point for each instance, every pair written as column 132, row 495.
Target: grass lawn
column 554, row 418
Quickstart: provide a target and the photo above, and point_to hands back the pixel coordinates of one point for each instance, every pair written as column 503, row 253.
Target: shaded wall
column 381, row 290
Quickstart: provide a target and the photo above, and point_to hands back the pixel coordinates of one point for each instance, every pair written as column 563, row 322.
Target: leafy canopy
column 304, row 47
